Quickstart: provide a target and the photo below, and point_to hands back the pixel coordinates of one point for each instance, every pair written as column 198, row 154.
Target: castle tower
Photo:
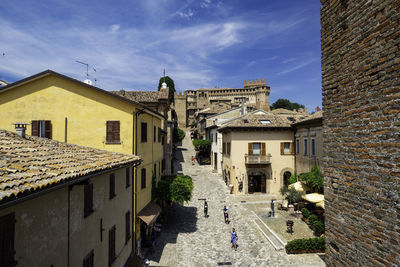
column 180, row 108
column 262, row 93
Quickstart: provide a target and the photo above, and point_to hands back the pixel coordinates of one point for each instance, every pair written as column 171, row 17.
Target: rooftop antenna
column 164, row 74
column 95, row 79
column 87, row 67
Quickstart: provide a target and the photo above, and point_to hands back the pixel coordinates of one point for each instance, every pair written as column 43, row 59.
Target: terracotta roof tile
column 139, row 96
column 32, row 163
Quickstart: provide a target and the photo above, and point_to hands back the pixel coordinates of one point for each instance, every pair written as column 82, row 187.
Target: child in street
column 205, row 209
column 234, row 239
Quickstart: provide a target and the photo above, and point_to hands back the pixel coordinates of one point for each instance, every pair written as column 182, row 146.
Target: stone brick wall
column 361, row 98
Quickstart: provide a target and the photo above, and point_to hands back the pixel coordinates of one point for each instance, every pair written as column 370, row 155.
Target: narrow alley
column 190, row 239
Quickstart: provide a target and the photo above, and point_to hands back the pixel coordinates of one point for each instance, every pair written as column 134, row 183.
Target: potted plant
column 306, row 213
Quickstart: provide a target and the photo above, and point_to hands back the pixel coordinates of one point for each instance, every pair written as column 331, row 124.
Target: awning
column 314, row 197
column 320, row 204
column 149, row 213
column 300, row 187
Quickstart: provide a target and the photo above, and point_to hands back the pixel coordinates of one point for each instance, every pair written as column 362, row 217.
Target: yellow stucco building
column 64, row 109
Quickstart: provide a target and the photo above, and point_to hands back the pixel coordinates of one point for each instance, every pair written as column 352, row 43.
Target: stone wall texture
column 361, row 99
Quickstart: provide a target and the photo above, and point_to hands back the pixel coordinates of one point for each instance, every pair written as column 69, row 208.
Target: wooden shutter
column 144, row 132
column 111, row 245
column 116, row 129
column 109, row 132
column 127, row 226
column 127, row 177
column 282, row 148
column 292, row 148
column 7, row 229
column 47, row 129
column 263, row 149
column 88, row 199
column 250, row 149
column 112, row 185
column 35, row 128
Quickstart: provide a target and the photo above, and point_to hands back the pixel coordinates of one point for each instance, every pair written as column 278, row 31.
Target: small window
column 143, row 178
column 7, row 231
column 88, row 261
column 154, row 134
column 297, row 146
column 113, row 132
column 305, row 146
column 88, row 199
column 127, row 178
column 111, row 245
column 228, row 148
column 159, row 134
column 144, row 132
column 256, row 148
column 287, row 148
column 127, row 227
column 313, row 147
column 224, row 148
column 112, row 185
column 41, row 129
column 265, row 121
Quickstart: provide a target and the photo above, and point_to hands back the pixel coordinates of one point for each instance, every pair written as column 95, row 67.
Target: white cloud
column 205, row 3
column 296, row 67
column 115, row 27
column 188, row 14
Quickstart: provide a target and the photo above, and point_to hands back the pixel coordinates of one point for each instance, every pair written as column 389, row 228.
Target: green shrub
column 202, row 145
column 293, row 196
column 175, row 188
column 319, row 228
column 305, row 212
column 179, row 135
column 313, row 218
column 306, row 244
column 292, row 179
column 314, row 179
column 181, row 189
column 193, row 124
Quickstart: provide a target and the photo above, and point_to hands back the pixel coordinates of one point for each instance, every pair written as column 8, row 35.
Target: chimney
column 20, row 128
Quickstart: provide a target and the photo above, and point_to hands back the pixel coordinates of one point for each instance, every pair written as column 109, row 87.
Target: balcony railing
column 258, row 159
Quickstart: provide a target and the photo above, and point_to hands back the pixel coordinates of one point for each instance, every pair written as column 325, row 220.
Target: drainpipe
column 69, row 223
column 134, row 190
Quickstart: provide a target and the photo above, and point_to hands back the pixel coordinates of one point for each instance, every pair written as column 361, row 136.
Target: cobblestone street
column 190, row 239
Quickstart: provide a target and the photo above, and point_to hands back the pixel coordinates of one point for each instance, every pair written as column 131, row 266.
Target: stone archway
column 285, row 175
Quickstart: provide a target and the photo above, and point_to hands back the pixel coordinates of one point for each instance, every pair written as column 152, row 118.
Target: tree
column 175, row 188
column 314, row 179
column 179, row 135
column 170, row 85
column 286, row 104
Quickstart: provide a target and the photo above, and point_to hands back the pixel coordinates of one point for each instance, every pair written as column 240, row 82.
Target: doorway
column 286, row 177
column 257, row 184
column 215, row 161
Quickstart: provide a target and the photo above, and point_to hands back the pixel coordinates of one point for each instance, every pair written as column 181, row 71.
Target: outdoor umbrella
column 299, row 186
column 314, row 197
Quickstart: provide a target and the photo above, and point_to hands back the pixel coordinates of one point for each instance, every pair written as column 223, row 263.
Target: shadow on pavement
column 179, row 159
column 176, row 219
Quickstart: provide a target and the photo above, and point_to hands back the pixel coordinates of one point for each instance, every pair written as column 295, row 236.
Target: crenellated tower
column 261, row 91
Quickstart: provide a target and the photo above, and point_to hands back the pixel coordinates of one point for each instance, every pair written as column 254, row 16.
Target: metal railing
column 257, row 159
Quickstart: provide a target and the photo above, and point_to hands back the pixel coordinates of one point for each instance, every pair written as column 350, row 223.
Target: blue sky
column 200, row 43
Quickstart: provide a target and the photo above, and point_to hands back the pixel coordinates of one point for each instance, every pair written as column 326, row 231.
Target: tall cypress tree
column 170, row 85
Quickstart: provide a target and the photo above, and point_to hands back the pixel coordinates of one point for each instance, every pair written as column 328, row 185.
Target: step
column 275, row 241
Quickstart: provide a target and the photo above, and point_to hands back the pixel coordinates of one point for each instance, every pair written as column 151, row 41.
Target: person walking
column 234, row 239
column 205, row 209
column 192, row 160
column 226, row 216
column 272, row 208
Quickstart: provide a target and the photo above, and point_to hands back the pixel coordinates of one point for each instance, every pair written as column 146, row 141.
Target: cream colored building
column 258, row 152
column 63, row 204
